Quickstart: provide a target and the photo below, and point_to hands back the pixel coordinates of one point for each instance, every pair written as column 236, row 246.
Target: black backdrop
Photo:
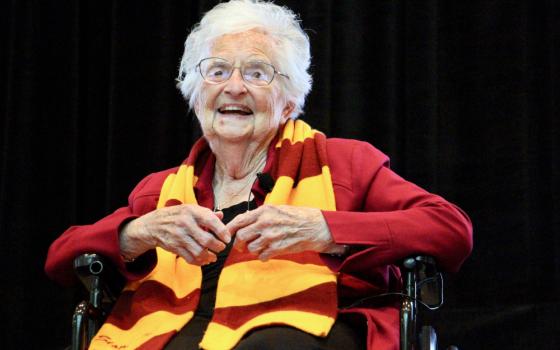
column 463, row 95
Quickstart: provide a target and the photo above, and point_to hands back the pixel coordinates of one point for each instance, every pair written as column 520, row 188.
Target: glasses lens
column 258, row 73
column 215, row 70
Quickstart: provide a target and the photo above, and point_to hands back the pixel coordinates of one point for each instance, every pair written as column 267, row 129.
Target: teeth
column 235, row 108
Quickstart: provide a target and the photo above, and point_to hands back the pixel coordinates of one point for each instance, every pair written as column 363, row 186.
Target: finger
column 257, row 245
column 191, row 245
column 200, row 255
column 213, row 222
column 206, row 239
column 245, row 236
column 243, row 220
column 281, row 246
column 190, row 224
column 206, row 257
column 183, row 253
column 267, row 253
column 178, row 237
column 271, row 251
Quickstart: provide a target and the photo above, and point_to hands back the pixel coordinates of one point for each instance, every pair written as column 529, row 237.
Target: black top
column 344, row 335
column 211, row 272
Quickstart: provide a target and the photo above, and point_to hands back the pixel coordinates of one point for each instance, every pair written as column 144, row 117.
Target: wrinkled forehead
column 240, row 46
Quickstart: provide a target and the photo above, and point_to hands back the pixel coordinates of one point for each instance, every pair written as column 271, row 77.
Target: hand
column 275, row 230
column 181, row 229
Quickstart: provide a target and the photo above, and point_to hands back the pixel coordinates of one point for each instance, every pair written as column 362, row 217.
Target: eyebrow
column 251, row 58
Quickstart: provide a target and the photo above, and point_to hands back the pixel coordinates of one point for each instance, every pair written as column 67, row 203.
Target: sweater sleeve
column 102, row 237
column 388, row 218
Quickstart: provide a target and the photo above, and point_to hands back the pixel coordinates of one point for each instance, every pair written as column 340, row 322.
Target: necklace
column 224, row 198
column 220, row 203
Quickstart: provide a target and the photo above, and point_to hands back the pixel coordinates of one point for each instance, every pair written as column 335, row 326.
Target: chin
column 232, row 135
column 232, row 131
column 233, row 126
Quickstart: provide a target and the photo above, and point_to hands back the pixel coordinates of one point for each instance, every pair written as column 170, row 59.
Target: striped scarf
column 295, row 289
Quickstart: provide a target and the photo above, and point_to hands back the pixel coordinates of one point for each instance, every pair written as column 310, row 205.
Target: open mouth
column 235, row 109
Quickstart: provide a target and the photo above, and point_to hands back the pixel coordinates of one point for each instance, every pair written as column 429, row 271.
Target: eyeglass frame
column 234, row 67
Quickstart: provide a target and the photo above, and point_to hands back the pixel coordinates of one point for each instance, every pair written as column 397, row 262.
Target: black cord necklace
column 217, row 207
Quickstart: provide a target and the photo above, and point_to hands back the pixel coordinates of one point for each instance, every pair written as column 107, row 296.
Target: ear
column 196, row 106
column 197, row 109
column 287, row 111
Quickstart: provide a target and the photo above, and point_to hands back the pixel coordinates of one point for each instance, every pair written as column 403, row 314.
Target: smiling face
column 234, row 110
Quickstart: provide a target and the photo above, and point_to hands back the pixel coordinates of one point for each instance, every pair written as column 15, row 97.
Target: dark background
column 463, row 95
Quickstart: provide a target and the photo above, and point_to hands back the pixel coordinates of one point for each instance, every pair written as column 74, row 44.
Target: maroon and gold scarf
column 296, row 289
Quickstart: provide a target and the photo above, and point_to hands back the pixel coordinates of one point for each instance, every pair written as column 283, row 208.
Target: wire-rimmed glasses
column 216, row 70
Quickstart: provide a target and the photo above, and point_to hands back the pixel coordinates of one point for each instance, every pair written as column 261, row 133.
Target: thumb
column 219, row 214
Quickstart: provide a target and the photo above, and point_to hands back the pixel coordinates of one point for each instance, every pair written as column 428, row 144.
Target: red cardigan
column 384, row 217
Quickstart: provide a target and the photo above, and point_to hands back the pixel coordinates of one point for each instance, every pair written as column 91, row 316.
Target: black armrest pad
column 91, row 266
column 421, row 263
column 427, row 277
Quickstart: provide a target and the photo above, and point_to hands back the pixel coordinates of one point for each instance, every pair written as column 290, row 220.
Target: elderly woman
column 315, row 223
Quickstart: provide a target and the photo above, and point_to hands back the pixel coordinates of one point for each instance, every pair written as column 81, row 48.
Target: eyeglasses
column 216, row 70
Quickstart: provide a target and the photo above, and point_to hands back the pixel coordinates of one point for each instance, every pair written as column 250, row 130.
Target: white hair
column 290, row 46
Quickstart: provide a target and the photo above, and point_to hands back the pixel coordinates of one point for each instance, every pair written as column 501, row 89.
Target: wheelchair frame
column 94, row 272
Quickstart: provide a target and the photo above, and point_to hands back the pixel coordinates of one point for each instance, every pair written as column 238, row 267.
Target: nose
column 235, row 85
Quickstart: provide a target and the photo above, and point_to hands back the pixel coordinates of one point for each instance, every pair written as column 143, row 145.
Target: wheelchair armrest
column 103, row 282
column 423, row 280
column 100, row 278
column 420, row 262
column 422, row 283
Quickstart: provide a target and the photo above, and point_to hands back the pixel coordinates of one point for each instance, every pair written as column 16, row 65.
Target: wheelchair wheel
column 428, row 338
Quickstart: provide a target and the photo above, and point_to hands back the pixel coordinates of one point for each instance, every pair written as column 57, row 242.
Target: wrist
column 126, row 242
column 339, row 250
column 127, row 259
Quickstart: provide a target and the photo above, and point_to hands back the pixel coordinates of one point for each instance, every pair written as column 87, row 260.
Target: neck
column 235, row 171
column 236, row 161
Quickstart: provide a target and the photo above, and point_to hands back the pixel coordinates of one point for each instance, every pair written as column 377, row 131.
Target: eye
column 217, row 71
column 258, row 72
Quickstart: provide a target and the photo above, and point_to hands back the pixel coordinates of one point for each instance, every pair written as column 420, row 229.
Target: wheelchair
column 422, row 286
